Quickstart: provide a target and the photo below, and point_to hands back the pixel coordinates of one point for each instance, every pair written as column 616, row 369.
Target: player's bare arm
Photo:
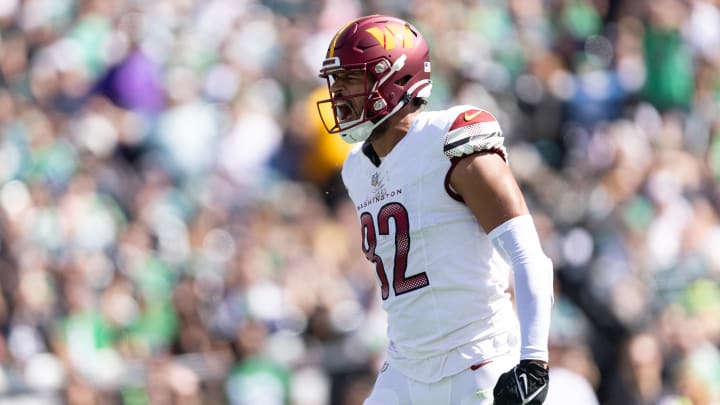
column 487, row 186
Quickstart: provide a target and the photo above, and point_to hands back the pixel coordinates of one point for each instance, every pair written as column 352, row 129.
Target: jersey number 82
column 401, row 283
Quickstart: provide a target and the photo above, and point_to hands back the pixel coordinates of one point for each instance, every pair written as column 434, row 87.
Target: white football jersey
column 443, row 284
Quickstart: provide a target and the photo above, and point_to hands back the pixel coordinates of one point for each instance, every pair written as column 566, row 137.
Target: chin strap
column 363, row 131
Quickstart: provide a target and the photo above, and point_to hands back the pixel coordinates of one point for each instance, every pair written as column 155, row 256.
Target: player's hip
column 470, row 386
column 428, row 338
column 459, row 355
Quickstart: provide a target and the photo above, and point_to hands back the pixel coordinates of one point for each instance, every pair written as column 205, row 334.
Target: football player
column 443, row 221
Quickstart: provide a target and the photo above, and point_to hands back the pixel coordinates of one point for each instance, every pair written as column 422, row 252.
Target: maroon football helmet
column 394, row 60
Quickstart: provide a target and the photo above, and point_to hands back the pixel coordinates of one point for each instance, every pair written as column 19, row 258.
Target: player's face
column 344, row 86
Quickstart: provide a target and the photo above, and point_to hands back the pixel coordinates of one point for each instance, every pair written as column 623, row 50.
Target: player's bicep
column 487, row 186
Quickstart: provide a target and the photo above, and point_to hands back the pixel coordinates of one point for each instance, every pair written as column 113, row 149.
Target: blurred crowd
column 173, row 229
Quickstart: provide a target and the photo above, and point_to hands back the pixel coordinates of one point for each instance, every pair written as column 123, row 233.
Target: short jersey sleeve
column 474, row 130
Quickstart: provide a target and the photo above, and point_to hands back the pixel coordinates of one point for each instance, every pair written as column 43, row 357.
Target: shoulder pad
column 474, row 130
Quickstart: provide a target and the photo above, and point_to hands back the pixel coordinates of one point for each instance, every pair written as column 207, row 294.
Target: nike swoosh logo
column 470, row 117
column 523, row 395
column 536, row 393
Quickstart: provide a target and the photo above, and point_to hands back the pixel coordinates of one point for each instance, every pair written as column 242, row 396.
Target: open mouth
column 344, row 112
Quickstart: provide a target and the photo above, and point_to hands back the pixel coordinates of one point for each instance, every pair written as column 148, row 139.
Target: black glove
column 526, row 384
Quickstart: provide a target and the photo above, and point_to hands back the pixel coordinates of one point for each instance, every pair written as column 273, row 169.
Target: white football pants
column 470, row 387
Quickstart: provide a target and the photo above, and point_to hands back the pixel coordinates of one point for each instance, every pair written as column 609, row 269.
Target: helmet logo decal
column 392, row 35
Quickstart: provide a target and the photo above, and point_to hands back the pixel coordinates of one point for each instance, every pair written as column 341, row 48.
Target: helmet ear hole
column 403, row 80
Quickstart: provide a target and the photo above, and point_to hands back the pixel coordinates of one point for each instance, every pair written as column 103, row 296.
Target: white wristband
column 518, row 243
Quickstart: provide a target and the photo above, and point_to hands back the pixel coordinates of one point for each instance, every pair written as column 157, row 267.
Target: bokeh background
column 173, row 231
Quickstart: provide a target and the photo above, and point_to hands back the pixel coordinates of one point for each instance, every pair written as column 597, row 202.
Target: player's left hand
column 526, row 384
